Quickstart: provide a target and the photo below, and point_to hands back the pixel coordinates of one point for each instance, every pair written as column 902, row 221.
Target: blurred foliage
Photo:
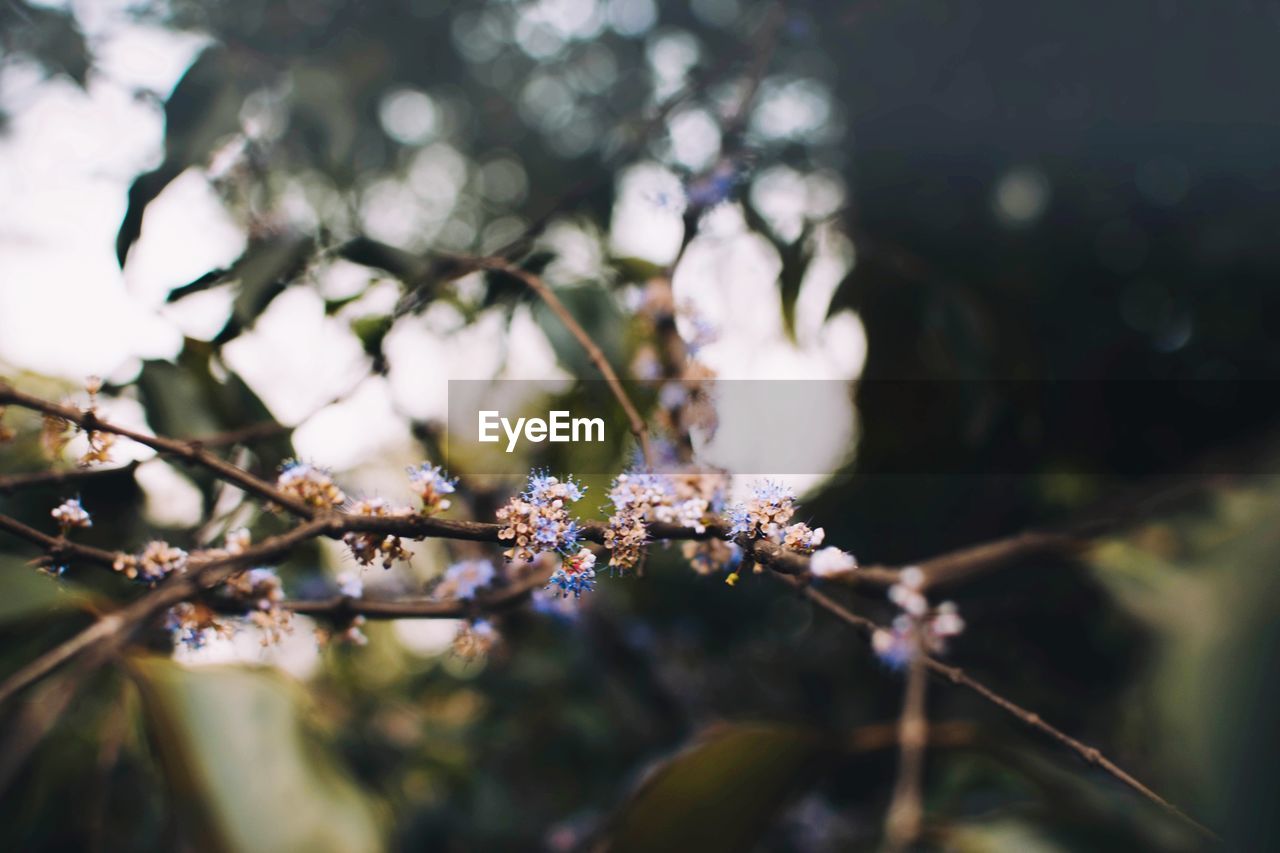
column 402, row 136
column 234, row 753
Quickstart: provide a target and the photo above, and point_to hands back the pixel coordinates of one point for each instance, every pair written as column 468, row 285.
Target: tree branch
column 956, row 675
column 57, row 547
column 114, row 628
column 188, row 451
column 637, row 425
column 906, row 810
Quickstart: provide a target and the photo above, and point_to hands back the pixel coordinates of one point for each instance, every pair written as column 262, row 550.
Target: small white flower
column 71, row 514
column 946, row 621
column 831, row 561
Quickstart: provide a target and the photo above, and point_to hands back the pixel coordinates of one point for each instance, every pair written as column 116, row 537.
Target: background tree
column 1050, row 226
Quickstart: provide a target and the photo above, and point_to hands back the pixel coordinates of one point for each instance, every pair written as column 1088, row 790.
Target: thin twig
column 906, row 810
column 956, row 675
column 427, row 608
column 57, row 547
column 972, row 560
column 112, row 629
column 637, row 425
column 192, row 452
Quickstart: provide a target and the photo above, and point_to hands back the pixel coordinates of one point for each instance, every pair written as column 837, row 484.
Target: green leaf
column 721, row 793
column 408, row 267
column 263, row 272
column 203, row 109
column 176, row 397
column 235, row 753
column 28, row 594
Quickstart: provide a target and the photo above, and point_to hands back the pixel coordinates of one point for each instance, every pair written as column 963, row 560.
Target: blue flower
column 576, row 574
column 765, row 514
column 543, row 489
column 739, row 521
column 432, row 484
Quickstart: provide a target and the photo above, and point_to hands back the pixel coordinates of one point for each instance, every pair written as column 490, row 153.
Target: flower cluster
column 633, row 495
column 71, row 514
column 685, row 499
column 767, row 513
column 310, row 484
column 576, row 574
column 431, row 484
column 263, row 591
column 474, row 639
column 193, row 624
column 462, row 579
column 368, row 547
column 799, row 537
column 625, row 540
column 157, row 561
column 764, row 514
column 538, row 519
column 696, row 497
column 918, row 629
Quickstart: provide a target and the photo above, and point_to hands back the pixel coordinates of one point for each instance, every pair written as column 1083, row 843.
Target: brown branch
column 57, row 547
column 956, row 675
column 1110, row 515
column 637, row 425
column 114, row 628
column 875, row 736
column 906, row 810
column 188, row 451
column 427, row 608
column 973, row 560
